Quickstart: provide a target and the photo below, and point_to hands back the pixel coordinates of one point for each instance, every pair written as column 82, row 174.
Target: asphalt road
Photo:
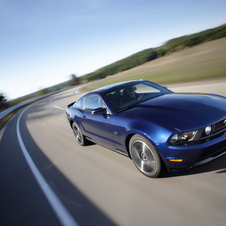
column 95, row 185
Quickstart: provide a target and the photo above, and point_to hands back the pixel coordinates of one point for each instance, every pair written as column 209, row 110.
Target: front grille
column 220, row 125
column 218, row 129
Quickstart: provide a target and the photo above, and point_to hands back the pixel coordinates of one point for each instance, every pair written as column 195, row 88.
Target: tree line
column 187, row 41
column 122, row 65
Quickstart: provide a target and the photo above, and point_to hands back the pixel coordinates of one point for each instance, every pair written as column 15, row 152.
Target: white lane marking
column 61, row 212
column 59, row 108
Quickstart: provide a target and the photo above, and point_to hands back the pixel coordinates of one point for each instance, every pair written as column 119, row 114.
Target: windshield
column 130, row 95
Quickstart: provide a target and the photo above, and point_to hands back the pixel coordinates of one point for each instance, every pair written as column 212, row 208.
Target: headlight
column 187, row 136
column 174, row 139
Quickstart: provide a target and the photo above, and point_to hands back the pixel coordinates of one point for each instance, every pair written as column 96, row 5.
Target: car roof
column 113, row 86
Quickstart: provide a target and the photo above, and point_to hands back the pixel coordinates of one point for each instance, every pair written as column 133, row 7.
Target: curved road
column 94, row 185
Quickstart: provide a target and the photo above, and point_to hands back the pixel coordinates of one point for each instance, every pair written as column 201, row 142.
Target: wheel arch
column 127, row 143
column 129, row 136
column 71, row 122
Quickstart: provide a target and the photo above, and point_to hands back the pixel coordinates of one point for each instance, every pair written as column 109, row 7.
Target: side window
column 92, row 102
column 78, row 104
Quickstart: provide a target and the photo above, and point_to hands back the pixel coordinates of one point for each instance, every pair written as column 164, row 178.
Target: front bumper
column 193, row 155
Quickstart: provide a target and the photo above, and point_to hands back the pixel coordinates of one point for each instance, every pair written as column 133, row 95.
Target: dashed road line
column 216, row 91
column 59, row 108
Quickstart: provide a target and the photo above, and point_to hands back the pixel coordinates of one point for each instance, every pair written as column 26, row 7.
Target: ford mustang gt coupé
column 152, row 125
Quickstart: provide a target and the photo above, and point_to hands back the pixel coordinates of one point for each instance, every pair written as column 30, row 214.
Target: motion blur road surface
column 96, row 185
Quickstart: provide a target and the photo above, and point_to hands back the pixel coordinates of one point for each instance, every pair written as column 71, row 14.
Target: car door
column 97, row 127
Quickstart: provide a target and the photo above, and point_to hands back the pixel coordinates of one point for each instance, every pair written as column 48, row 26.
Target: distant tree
column 74, row 80
column 161, row 52
column 3, row 101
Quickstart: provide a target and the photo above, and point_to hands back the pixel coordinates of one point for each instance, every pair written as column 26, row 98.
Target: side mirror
column 99, row 111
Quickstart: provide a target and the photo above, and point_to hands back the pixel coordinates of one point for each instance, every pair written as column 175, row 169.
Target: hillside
column 204, row 61
column 171, row 46
column 177, row 44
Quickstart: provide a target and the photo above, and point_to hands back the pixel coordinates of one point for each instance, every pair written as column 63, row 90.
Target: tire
column 78, row 135
column 144, row 156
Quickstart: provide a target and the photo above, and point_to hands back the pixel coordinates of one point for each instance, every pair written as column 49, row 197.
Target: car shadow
column 21, row 195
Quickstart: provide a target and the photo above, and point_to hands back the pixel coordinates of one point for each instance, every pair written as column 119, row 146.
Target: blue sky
column 42, row 42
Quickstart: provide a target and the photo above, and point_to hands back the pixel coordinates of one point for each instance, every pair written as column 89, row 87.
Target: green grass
column 205, row 61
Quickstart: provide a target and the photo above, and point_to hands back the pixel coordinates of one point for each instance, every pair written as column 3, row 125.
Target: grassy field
column 205, row 61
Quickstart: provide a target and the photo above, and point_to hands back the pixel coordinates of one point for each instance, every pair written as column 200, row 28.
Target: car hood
column 182, row 112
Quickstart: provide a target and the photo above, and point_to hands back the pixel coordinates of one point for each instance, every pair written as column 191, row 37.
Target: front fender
column 125, row 128
column 156, row 134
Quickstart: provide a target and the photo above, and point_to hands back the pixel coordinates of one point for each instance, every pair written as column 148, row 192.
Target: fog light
column 208, row 130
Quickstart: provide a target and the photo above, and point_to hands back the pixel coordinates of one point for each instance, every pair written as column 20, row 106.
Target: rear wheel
column 78, row 135
column 144, row 156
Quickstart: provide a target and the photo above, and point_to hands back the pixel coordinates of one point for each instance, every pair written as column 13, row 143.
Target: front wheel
column 78, row 135
column 144, row 156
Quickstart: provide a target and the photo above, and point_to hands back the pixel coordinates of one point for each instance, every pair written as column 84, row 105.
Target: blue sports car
column 152, row 125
